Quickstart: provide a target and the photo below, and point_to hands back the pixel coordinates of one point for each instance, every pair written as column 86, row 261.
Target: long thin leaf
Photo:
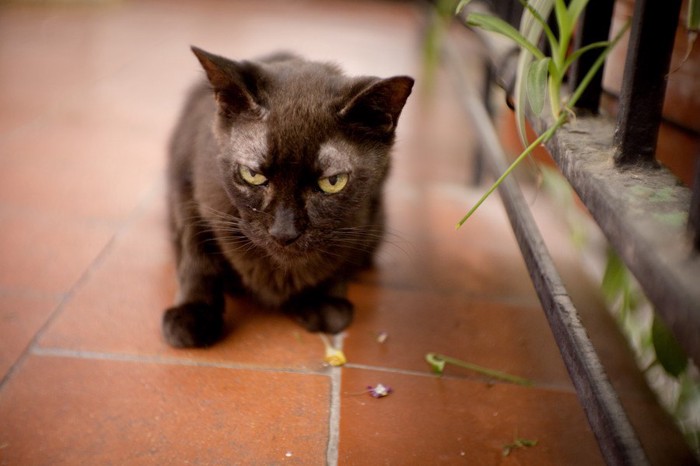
column 692, row 22
column 530, row 26
column 531, row 29
column 461, row 5
column 576, row 7
column 596, row 66
column 562, row 14
column 541, row 139
column 551, row 38
column 693, row 18
column 537, row 84
column 493, row 24
column 575, row 56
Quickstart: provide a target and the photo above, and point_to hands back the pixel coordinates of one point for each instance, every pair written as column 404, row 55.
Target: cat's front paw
column 193, row 325
column 329, row 314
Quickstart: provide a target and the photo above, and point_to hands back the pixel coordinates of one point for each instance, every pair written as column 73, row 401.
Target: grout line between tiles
column 536, row 385
column 166, row 360
column 393, row 370
column 334, row 417
column 518, row 300
column 334, row 411
column 99, row 258
column 31, row 293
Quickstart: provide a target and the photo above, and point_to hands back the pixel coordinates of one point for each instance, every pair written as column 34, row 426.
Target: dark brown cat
column 275, row 176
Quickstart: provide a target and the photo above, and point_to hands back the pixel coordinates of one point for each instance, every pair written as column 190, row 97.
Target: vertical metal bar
column 508, row 10
column 515, row 12
column 644, row 81
column 594, row 26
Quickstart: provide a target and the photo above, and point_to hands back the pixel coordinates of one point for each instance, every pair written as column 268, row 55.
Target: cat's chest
column 273, row 283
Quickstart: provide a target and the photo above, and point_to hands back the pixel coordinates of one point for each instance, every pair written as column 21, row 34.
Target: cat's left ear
column 376, row 108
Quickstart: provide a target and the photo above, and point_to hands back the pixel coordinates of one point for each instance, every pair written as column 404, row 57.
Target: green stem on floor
column 437, row 363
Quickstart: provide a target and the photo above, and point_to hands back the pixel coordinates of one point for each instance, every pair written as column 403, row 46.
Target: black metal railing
column 611, row 165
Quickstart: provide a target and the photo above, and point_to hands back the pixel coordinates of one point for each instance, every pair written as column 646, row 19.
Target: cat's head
column 303, row 149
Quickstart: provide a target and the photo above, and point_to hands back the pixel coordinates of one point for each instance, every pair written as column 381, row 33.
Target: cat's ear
column 375, row 108
column 234, row 83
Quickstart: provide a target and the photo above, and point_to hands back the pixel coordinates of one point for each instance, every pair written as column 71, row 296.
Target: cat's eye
column 252, row 177
column 333, row 184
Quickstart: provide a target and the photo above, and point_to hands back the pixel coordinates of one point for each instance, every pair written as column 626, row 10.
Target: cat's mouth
column 289, row 247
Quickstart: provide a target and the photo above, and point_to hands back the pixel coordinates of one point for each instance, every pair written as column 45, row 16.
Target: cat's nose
column 285, row 238
column 283, row 229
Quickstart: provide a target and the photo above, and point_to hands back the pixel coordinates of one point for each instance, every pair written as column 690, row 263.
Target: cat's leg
column 197, row 319
column 323, row 309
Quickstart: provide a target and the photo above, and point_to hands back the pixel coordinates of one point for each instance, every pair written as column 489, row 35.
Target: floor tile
column 45, row 253
column 75, row 411
column 508, row 338
column 359, row 37
column 119, row 306
column 21, row 317
column 432, row 420
column 80, row 166
column 481, row 258
column 53, row 38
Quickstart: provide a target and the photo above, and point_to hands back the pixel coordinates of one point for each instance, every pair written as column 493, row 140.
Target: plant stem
column 555, row 95
column 543, row 138
column 595, row 67
column 561, row 118
column 494, row 374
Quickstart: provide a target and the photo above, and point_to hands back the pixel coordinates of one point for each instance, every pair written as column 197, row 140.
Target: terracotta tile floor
column 88, row 96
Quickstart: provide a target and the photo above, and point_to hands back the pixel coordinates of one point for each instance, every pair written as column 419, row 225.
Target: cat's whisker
column 405, row 247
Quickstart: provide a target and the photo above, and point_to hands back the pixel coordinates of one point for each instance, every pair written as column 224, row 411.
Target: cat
column 275, row 177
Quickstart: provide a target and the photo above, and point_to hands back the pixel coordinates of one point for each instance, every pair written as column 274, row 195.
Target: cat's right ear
column 232, row 82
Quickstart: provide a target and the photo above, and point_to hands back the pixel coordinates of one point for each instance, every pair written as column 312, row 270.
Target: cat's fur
column 249, row 159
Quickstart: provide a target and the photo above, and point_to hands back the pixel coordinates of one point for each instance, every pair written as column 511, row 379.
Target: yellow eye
column 252, row 177
column 333, row 184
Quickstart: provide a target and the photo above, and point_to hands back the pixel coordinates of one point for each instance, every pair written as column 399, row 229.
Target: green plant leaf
column 532, row 23
column 541, row 139
column 668, row 352
column 493, row 24
column 563, row 20
column 693, row 18
column 537, row 84
column 596, row 66
column 520, row 96
column 542, row 23
column 575, row 56
column 615, row 279
column 576, row 7
column 461, row 5
column 688, row 395
column 531, row 28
